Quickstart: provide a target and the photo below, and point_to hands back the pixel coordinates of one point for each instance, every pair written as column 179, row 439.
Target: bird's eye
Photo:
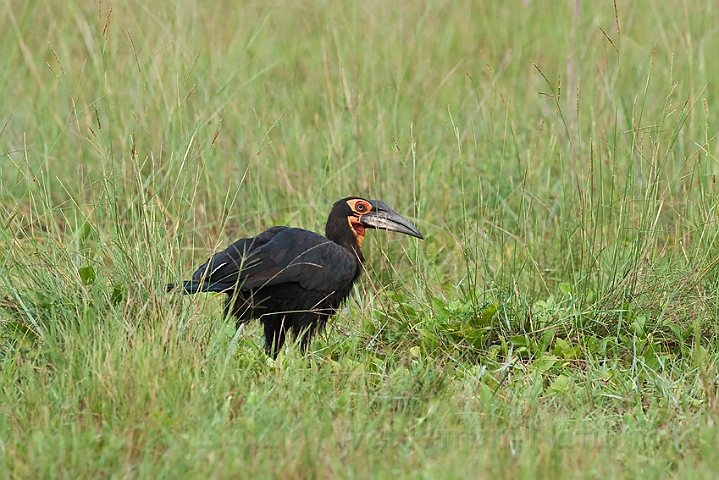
column 360, row 207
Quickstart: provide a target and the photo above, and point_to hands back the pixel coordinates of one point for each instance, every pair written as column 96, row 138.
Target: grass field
column 558, row 321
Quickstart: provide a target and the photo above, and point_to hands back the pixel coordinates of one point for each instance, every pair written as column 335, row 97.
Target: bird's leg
column 274, row 335
column 307, row 332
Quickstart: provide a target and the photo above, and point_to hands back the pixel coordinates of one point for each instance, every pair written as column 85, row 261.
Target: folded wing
column 276, row 256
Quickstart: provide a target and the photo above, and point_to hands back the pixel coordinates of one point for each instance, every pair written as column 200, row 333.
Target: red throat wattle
column 358, row 228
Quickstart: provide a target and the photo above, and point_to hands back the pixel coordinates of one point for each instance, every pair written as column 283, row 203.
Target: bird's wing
column 300, row 256
column 221, row 272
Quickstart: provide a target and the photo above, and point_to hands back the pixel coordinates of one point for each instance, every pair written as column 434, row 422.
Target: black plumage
column 292, row 279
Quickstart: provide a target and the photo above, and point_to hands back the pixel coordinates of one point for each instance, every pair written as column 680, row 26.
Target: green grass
column 560, row 320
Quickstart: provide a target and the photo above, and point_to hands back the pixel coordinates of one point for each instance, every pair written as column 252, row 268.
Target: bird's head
column 359, row 214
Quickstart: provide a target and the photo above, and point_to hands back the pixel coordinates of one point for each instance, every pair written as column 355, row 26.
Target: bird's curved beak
column 383, row 217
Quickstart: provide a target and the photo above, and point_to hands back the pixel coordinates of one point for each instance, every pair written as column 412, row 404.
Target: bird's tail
column 190, row 287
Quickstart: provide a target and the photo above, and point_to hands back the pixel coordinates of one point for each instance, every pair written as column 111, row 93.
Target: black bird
column 293, row 279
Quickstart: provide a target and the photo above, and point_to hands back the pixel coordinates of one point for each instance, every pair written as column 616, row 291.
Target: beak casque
column 384, row 218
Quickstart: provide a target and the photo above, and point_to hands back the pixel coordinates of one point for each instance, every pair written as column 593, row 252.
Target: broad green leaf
column 87, row 274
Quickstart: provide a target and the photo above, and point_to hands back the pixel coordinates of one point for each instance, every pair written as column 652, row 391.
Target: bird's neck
column 341, row 235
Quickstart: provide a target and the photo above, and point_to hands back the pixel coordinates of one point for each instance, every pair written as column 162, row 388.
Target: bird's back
column 220, row 273
column 278, row 256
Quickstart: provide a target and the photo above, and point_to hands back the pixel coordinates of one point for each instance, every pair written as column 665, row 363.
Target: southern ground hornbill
column 291, row 279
